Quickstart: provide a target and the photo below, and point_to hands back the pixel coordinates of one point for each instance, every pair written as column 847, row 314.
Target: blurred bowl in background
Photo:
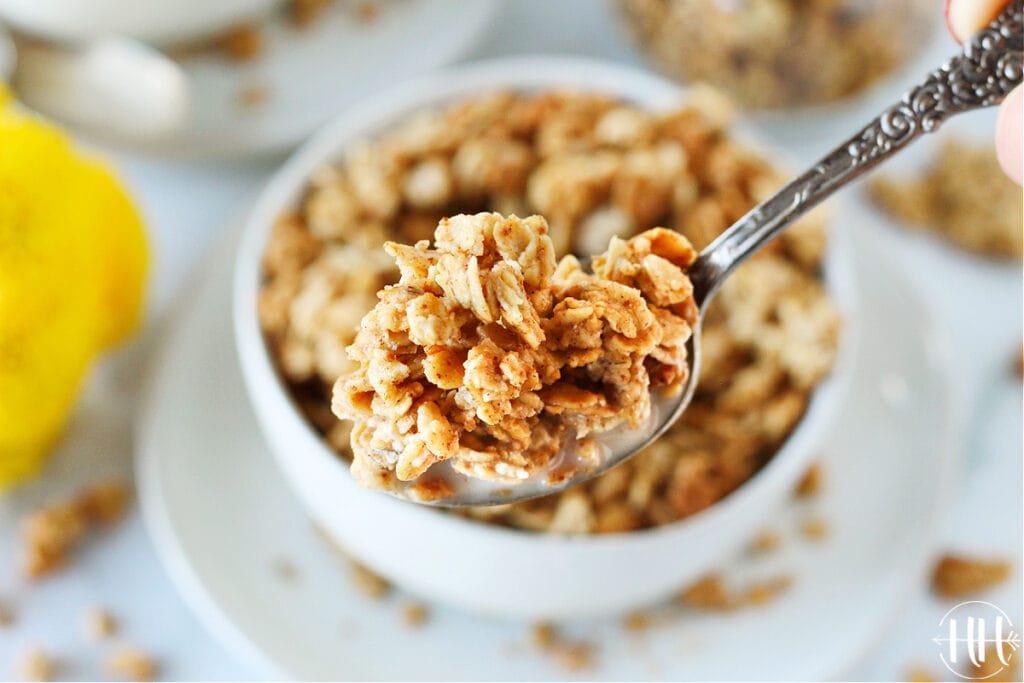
column 155, row 21
column 476, row 566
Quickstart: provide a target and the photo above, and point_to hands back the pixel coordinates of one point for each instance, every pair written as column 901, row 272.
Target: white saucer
column 220, row 516
column 309, row 74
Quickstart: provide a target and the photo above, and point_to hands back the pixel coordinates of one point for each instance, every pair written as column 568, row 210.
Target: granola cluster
column 52, row 533
column 594, row 167
column 777, row 53
column 489, row 355
column 963, row 197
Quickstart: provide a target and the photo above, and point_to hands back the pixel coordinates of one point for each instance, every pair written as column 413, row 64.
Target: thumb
column 1010, row 135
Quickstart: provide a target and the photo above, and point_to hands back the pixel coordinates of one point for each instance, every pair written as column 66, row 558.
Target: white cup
column 155, row 21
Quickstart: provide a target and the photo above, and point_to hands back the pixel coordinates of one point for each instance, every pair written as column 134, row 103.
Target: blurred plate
column 304, row 76
column 221, row 518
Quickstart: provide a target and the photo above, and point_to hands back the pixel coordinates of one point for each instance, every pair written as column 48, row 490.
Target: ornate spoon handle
column 989, row 67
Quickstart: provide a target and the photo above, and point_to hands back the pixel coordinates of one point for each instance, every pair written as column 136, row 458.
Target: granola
column 37, row 665
column 130, row 663
column 955, row 576
column 52, row 533
column 98, row 623
column 489, row 355
column 746, row 46
column 964, row 197
column 711, row 593
column 595, row 167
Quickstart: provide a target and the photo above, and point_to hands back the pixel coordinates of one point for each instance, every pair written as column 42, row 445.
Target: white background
column 189, row 204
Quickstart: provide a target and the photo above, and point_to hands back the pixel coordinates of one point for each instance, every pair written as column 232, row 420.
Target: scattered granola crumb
column 964, row 197
column 1018, row 364
column 131, row 663
column 106, row 502
column 991, row 668
column 37, row 665
column 578, row 656
column 814, row 529
column 51, row 533
column 6, row 615
column 369, row 583
column 304, row 12
column 811, row 483
column 98, row 623
column 568, row 654
column 919, row 674
column 766, row 542
column 543, row 634
column 253, row 96
column 636, row 621
column 415, row 614
column 243, row 43
column 286, row 570
column 368, row 11
column 763, row 592
column 707, row 593
column 711, row 593
column 957, row 575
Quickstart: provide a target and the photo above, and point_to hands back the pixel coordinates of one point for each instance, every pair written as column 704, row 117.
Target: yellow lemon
column 73, row 261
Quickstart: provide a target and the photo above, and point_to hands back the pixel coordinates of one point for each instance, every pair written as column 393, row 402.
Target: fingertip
column 1010, row 135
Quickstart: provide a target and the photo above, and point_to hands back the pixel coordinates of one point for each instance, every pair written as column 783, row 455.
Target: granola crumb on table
column 766, row 542
column 570, row 655
column 814, row 529
column 130, row 663
column 919, row 674
column 811, row 483
column 955, row 576
column 52, row 533
column 415, row 614
column 992, row 669
column 711, row 593
column 543, row 634
column 491, row 355
column 594, row 167
column 37, row 665
column 370, row 584
column 98, row 623
column 636, row 621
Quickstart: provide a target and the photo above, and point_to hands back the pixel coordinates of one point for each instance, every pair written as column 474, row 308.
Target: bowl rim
column 382, row 111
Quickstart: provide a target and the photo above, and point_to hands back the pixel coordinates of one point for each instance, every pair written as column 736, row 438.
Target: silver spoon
column 989, row 67
column 113, row 89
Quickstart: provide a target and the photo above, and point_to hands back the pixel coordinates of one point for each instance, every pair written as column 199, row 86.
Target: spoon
column 987, row 69
column 115, row 89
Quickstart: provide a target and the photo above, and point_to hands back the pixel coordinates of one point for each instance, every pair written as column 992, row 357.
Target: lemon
column 73, row 264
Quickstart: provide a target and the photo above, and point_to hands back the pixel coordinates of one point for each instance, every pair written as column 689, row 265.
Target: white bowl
column 445, row 558
column 160, row 21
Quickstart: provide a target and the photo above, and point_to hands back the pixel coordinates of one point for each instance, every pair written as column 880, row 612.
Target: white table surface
column 189, row 204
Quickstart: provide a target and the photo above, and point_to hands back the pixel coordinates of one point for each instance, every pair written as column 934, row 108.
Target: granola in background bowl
column 780, row 53
column 963, row 197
